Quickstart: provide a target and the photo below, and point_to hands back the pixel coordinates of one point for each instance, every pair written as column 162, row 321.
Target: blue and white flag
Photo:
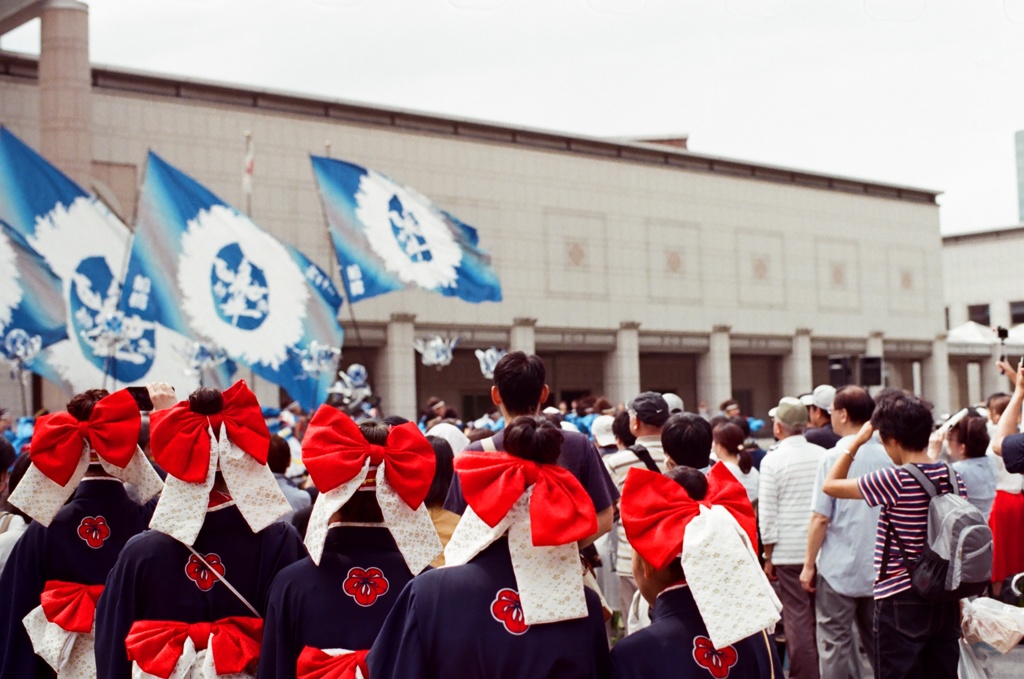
column 84, row 244
column 389, row 237
column 31, row 304
column 208, row 272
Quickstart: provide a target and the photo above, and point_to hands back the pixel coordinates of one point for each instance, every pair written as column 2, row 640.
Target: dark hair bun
column 206, row 401
column 534, row 438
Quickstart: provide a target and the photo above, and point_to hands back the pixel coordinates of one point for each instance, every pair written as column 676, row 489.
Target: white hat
column 675, row 403
column 821, row 397
column 601, row 428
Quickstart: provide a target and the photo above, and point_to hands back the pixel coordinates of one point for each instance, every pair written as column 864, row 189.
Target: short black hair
column 856, row 401
column 520, row 381
column 443, row 471
column 692, row 480
column 7, row 454
column 394, row 420
column 903, row 418
column 620, row 427
column 686, row 438
column 279, row 456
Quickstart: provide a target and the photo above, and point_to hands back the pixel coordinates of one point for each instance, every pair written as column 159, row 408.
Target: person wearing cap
column 694, row 538
column 57, row 569
column 838, row 566
column 819, row 429
column 604, row 437
column 518, row 390
column 369, row 534
column 648, row 412
column 510, row 603
column 189, row 596
column 785, row 489
column 675, row 403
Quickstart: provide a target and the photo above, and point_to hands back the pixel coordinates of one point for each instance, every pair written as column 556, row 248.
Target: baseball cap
column 650, row 408
column 821, row 397
column 601, row 428
column 790, row 412
column 675, row 404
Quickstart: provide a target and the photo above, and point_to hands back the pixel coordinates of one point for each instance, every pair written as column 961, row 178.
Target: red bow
column 656, row 510
column 181, row 443
column 334, row 452
column 560, row 510
column 112, row 430
column 156, row 645
column 315, row 664
column 70, row 606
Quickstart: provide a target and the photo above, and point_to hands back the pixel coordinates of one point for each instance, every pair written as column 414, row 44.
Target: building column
column 973, row 383
column 522, row 336
column 876, row 344
column 622, row 364
column 267, row 393
column 993, row 381
column 797, row 374
column 936, row 375
column 397, row 381
column 714, row 371
column 65, row 87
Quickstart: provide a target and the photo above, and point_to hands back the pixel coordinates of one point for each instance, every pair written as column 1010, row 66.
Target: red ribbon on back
column 334, row 451
column 655, row 511
column 69, row 605
column 181, row 443
column 560, row 510
column 112, row 430
column 156, row 645
column 315, row 664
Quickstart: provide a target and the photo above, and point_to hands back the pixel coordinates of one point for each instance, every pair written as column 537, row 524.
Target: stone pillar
column 714, row 371
column 936, row 375
column 622, row 364
column 65, row 85
column 267, row 393
column 973, row 383
column 797, row 375
column 876, row 344
column 397, row 381
column 522, row 336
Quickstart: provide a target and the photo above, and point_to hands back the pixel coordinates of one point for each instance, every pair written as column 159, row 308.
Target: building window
column 1016, row 313
column 978, row 313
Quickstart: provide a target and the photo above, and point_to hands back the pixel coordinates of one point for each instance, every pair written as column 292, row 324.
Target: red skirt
column 1007, row 524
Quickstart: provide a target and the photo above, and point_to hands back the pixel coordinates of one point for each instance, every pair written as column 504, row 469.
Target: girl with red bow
column 368, row 535
column 55, row 575
column 188, row 597
column 510, row 602
column 693, row 562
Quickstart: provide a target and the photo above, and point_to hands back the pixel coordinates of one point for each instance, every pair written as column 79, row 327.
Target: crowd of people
column 212, row 537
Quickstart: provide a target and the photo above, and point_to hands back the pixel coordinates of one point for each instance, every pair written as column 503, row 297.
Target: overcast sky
column 924, row 93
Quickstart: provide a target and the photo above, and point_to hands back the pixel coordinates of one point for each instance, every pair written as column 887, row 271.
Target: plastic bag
column 970, row 666
column 992, row 622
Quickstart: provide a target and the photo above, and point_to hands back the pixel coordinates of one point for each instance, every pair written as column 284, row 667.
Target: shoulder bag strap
column 225, row 581
column 644, row 456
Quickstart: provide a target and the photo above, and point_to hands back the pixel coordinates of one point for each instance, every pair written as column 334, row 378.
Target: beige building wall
column 584, row 243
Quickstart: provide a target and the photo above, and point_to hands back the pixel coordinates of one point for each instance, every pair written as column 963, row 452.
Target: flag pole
column 330, row 242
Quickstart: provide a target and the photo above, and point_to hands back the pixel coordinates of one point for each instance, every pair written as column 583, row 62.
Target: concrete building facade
column 626, row 266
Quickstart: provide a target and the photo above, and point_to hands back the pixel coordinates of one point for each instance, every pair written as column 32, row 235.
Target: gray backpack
column 957, row 558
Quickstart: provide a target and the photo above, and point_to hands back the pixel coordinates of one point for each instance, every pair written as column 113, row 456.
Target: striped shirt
column 905, row 508
column 619, row 465
column 785, row 489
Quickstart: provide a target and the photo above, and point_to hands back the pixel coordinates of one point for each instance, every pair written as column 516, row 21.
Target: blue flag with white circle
column 84, row 245
column 206, row 270
column 390, row 237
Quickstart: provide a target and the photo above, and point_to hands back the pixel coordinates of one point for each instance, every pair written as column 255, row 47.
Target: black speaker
column 839, row 372
column 870, row 371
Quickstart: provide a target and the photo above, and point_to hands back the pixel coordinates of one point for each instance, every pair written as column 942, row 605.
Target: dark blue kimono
column 464, row 622
column 676, row 646
column 80, row 545
column 158, row 578
column 342, row 603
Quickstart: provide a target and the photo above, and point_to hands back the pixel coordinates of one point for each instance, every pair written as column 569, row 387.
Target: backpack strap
column 891, row 533
column 644, row 456
column 922, row 479
column 954, row 486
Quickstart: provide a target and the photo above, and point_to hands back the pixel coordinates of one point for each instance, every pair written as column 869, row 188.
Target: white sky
column 925, row 93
